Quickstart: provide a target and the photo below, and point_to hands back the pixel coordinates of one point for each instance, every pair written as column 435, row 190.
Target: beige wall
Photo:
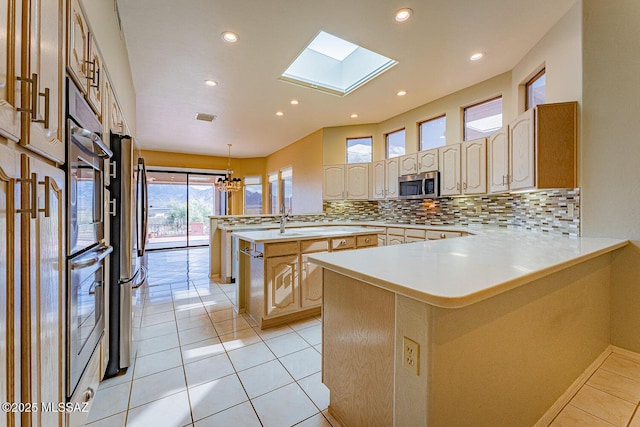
column 102, row 21
column 610, row 154
column 305, row 158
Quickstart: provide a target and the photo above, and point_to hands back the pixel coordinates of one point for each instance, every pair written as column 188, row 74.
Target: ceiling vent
column 205, row 117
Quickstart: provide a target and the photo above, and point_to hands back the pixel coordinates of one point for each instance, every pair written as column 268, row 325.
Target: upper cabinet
column 10, row 54
column 536, row 150
column 113, row 120
column 408, row 164
column 95, row 77
column 449, row 158
column 78, row 46
column 41, row 79
column 474, row 166
column 428, row 160
column 350, row 182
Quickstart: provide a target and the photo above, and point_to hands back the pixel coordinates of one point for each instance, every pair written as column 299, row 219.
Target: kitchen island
column 277, row 283
column 484, row 330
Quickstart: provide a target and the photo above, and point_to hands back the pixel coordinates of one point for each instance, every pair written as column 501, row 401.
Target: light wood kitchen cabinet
column 95, row 77
column 378, row 182
column 333, row 182
column 449, row 159
column 114, row 120
column 43, row 288
column 10, row 65
column 310, row 283
column 10, row 281
column 395, row 236
column 391, row 177
column 78, row 46
column 42, row 84
column 346, row 182
column 543, row 147
column 408, row 164
column 437, row 235
column 498, row 160
column 474, row 166
column 428, row 160
column 357, row 181
column 282, row 284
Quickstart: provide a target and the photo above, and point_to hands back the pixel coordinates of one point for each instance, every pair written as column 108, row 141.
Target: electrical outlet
column 411, row 355
column 570, row 210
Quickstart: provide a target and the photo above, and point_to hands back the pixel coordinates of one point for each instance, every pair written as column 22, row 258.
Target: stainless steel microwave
column 419, row 186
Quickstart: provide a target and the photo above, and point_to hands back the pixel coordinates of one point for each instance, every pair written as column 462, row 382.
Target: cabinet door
column 522, row 146
column 449, row 157
column 408, row 164
column 45, row 135
column 9, row 283
column 498, row 161
column 310, row 283
column 78, row 55
column 282, row 285
column 428, row 161
column 10, row 46
column 114, row 120
column 395, row 240
column 357, row 185
column 44, row 290
column 391, row 177
column 474, row 166
column 94, row 77
column 333, row 182
column 377, row 180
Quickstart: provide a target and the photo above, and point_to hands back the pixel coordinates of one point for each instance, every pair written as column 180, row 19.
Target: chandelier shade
column 228, row 183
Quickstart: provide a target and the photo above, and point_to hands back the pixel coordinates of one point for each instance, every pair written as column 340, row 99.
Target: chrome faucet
column 283, row 219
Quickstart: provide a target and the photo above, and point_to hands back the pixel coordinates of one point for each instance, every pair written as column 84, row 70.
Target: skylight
column 334, row 65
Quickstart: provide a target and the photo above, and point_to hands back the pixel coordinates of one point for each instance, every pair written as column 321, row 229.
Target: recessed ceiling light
column 279, row 113
column 354, row 116
column 402, row 93
column 476, row 56
column 229, row 37
column 295, row 102
column 211, row 83
column 403, row 14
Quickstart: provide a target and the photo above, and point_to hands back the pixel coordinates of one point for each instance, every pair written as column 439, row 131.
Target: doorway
column 180, row 204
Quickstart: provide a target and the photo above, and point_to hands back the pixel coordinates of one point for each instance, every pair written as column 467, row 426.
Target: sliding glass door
column 180, row 204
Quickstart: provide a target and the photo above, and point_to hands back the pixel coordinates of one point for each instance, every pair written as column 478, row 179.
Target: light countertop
column 453, row 273
column 304, row 233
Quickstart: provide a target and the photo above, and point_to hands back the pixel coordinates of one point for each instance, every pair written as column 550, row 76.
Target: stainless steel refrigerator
column 129, row 212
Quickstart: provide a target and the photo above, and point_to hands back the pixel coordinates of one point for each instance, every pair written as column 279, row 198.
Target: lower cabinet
column 282, row 284
column 310, row 282
column 83, row 397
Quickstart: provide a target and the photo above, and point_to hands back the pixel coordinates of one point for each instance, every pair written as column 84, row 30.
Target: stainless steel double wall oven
column 87, row 251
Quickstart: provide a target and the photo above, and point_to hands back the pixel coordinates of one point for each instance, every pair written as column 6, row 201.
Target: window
column 432, row 133
column 359, row 150
column 252, row 195
column 274, row 206
column 286, row 176
column 395, row 143
column 482, row 119
column 536, row 90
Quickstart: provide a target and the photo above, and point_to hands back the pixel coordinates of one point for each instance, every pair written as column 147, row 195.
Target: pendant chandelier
column 228, row 183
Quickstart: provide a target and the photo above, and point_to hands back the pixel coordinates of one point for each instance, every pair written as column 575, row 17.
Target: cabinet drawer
column 340, row 243
column 415, row 233
column 317, row 245
column 436, row 235
column 85, row 392
column 367, row 240
column 284, row 248
column 413, row 239
column 394, row 231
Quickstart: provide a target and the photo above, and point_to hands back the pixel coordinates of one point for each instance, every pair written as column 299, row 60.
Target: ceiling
column 175, row 46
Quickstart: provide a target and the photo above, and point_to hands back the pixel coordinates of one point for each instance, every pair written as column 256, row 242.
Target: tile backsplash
column 546, row 211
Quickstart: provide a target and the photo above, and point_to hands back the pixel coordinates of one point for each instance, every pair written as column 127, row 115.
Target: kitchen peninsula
column 484, row 330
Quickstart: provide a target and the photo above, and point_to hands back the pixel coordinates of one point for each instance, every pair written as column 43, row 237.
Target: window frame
column 464, row 114
column 273, row 178
column 386, row 142
column 355, row 138
column 248, row 182
column 443, row 116
column 529, row 83
column 286, row 174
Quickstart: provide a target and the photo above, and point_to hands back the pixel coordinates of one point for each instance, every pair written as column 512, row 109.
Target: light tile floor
column 610, row 397
column 198, row 363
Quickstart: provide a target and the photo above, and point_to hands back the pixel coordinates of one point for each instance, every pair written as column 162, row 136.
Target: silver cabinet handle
column 33, row 208
column 367, row 240
column 443, row 236
column 343, row 243
column 112, row 207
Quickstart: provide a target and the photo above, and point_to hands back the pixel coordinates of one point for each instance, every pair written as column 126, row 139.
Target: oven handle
column 96, row 258
column 105, row 151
